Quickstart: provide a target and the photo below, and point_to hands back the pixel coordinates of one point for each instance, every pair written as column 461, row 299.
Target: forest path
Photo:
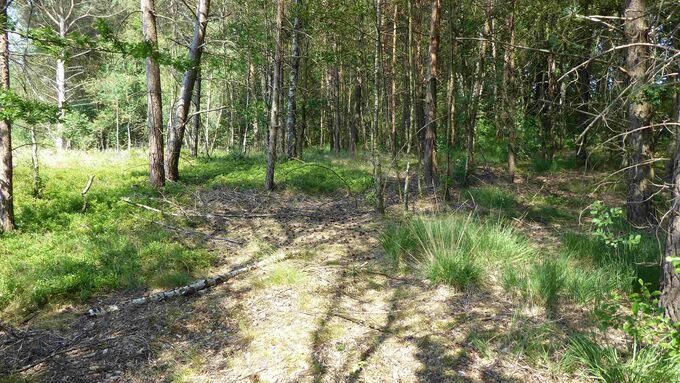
column 333, row 311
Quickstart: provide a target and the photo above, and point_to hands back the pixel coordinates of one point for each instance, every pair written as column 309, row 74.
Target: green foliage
column 653, row 353
column 62, row 254
column 15, row 107
column 603, row 219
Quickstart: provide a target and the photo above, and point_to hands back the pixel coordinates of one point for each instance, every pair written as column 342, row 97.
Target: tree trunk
column 117, row 128
column 477, row 94
column 129, row 137
column 6, row 187
column 670, row 280
column 377, row 63
column 196, row 117
column 35, row 164
column 411, row 80
column 507, row 114
column 335, row 85
column 154, row 100
column 639, row 204
column 431, row 99
column 291, row 129
column 176, row 132
column 354, row 129
column 393, row 85
column 60, row 140
column 274, row 110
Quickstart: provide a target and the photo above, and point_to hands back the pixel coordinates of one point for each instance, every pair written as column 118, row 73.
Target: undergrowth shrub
column 651, row 353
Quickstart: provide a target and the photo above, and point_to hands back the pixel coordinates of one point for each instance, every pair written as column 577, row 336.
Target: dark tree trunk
column 431, row 98
column 274, row 110
column 178, row 126
column 670, row 280
column 477, row 91
column 639, row 204
column 154, row 100
column 291, row 129
column 377, row 64
column 357, row 120
column 6, row 188
column 507, row 114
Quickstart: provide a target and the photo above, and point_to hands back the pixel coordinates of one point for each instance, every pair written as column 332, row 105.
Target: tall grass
column 454, row 249
column 607, row 364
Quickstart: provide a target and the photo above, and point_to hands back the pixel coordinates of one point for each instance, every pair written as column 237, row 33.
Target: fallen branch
column 189, row 289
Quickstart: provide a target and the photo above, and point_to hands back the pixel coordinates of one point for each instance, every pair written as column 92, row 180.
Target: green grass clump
column 454, row 249
column 491, row 197
column 284, row 276
column 614, row 267
column 547, row 282
column 609, row 365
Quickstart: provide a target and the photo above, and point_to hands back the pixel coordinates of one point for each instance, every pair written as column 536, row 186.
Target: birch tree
column 179, row 121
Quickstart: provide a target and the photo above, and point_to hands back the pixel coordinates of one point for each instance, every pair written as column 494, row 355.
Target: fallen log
column 189, row 289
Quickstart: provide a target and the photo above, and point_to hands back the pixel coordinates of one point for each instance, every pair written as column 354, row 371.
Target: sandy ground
column 333, row 311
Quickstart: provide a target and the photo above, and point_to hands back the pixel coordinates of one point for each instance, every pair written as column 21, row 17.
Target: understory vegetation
column 69, row 248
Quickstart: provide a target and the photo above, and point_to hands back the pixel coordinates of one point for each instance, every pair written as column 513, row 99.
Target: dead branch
column 189, row 289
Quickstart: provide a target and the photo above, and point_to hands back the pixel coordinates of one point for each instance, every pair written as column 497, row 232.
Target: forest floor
column 334, row 310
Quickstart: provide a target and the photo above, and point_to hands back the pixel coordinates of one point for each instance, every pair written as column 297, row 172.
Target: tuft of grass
column 281, row 275
column 547, row 281
column 492, row 197
column 536, row 341
column 607, row 364
column 456, row 250
column 611, row 267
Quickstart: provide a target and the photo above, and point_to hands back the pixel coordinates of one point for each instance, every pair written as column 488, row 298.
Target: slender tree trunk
column 154, row 100
column 335, row 85
column 6, row 169
column 291, row 129
column 477, row 94
column 393, row 90
column 206, row 124
column 670, row 280
column 639, row 204
column 129, row 137
column 508, row 112
column 60, row 140
column 35, row 164
column 354, row 129
column 412, row 80
column 117, row 128
column 584, row 78
column 196, row 117
column 176, row 133
column 431, row 98
column 251, row 97
column 377, row 63
column 274, row 113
